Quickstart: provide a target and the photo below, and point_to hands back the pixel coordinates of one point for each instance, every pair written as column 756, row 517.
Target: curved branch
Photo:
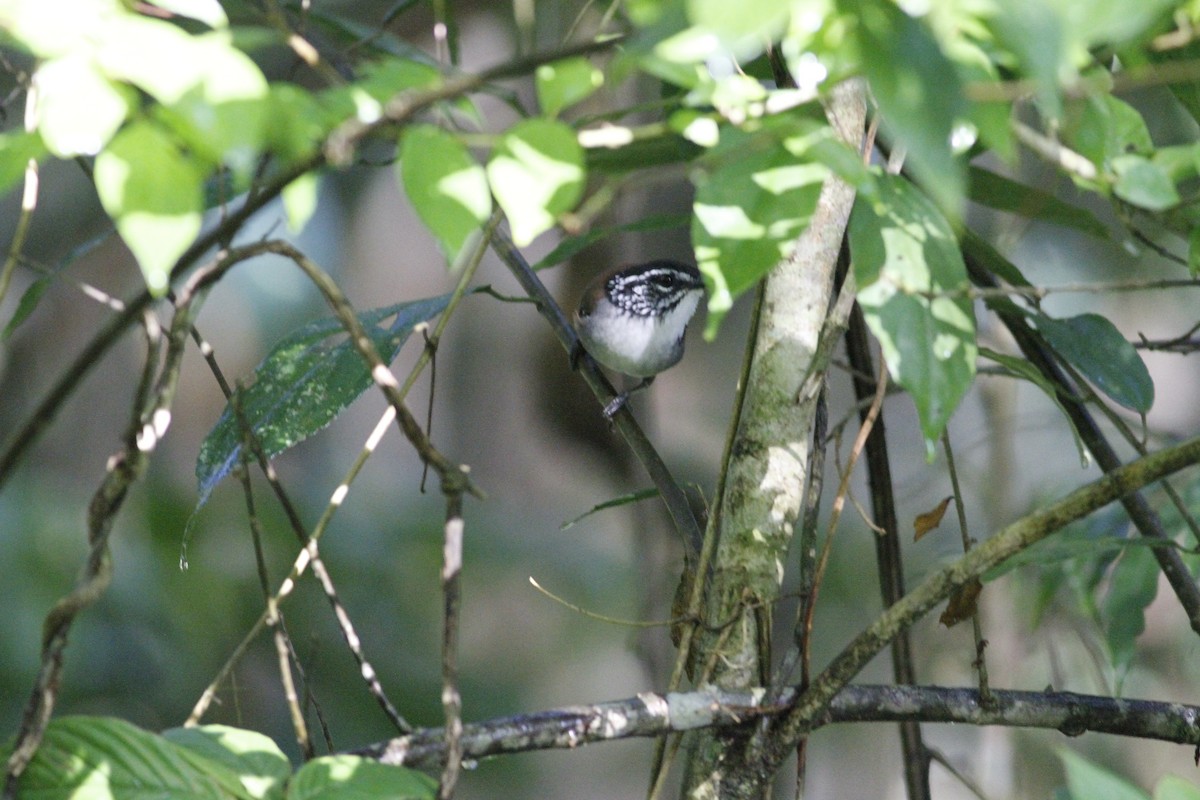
column 649, row 715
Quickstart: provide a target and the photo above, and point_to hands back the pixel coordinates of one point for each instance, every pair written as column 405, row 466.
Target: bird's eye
column 666, row 281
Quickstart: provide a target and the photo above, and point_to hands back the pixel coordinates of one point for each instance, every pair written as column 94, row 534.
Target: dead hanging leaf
column 926, row 522
column 963, row 603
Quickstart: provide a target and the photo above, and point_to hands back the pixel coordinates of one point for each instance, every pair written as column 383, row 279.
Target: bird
column 632, row 319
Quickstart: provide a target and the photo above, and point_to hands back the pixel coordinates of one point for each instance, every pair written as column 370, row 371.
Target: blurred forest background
column 506, row 403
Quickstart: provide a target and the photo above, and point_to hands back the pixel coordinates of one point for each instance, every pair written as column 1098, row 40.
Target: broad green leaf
column 1173, row 787
column 156, row 56
column 16, row 149
column 905, row 259
column 1034, row 31
column 78, row 110
column 918, row 91
column 753, row 198
column 562, row 84
column 446, row 186
column 99, row 757
column 1133, row 587
column 1095, row 347
column 1001, row 193
column 300, row 200
column 1143, row 183
column 257, row 761
column 207, row 11
column 335, row 777
column 306, row 380
column 1087, row 781
column 154, row 192
column 299, row 121
column 383, row 80
column 536, row 173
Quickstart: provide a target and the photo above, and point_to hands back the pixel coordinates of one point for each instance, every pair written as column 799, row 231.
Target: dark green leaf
column 1194, row 251
column 574, row 245
column 536, row 173
column 906, row 259
column 918, row 91
column 303, row 384
column 98, row 757
column 1132, row 587
column 753, row 198
column 336, row 777
column 996, row 191
column 262, row 767
column 1095, row 347
column 642, row 154
column 446, row 186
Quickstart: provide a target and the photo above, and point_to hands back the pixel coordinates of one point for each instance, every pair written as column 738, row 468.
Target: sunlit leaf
column 927, row 521
column 207, row 11
column 334, row 777
column 536, row 173
column 1095, row 347
column 78, row 109
column 154, row 192
column 753, row 199
column 908, row 267
column 257, row 761
column 300, row 200
column 301, row 386
column 107, row 758
column 446, row 186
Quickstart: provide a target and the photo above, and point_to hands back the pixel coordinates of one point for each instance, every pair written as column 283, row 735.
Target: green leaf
column 1095, row 347
column 753, row 198
column 1086, row 781
column 616, row 502
column 385, row 79
column 334, row 777
column 98, row 757
column 300, row 200
column 1194, row 251
column 78, row 110
column 573, row 245
column 16, row 149
column 155, row 194
column 303, row 384
column 905, row 259
column 536, row 173
column 1173, row 787
column 1133, row 587
column 744, row 27
column 562, row 84
column 54, row 29
column 1143, row 183
column 257, row 761
column 918, row 91
column 998, row 192
column 447, row 187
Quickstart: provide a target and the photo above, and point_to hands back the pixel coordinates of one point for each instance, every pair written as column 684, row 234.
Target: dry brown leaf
column 926, row 522
column 963, row 603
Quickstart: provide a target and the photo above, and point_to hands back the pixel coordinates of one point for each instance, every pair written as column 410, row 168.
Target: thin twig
column 29, row 198
column 980, row 659
column 451, row 601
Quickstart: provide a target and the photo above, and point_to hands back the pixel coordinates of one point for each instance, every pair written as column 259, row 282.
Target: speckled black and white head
column 632, row 319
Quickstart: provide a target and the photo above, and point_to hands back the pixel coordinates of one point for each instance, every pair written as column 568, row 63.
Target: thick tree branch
column 651, row 714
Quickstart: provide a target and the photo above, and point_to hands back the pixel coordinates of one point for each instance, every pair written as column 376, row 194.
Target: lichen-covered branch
column 648, row 715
